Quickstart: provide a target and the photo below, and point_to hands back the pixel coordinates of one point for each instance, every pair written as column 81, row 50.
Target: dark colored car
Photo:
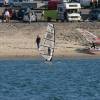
column 21, row 13
column 94, row 14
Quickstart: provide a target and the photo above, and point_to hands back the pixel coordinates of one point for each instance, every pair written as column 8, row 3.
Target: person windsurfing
column 49, row 51
column 93, row 45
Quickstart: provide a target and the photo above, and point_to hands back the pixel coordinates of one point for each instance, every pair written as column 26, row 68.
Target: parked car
column 94, row 14
column 30, row 18
column 22, row 12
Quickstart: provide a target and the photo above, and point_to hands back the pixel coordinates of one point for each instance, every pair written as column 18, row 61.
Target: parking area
column 37, row 14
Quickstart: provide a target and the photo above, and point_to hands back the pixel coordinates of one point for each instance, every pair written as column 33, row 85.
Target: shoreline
column 67, row 56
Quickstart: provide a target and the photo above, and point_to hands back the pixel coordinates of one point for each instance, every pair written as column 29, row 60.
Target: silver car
column 29, row 17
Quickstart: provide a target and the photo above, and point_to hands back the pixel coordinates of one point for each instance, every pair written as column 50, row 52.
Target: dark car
column 94, row 14
column 22, row 12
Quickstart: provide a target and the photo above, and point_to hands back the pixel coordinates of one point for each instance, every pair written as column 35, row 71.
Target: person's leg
column 37, row 44
column 49, row 51
column 92, row 46
column 8, row 19
column 30, row 20
column 3, row 18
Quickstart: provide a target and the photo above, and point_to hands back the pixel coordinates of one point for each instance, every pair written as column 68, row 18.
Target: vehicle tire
column 57, row 20
column 62, row 20
column 36, row 20
column 49, row 19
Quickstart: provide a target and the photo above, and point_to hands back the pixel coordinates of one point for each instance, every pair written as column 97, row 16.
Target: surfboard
column 47, row 44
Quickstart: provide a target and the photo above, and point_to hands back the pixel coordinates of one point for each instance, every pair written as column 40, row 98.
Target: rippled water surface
column 63, row 79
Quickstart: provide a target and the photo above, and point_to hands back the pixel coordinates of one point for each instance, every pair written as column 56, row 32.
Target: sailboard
column 47, row 44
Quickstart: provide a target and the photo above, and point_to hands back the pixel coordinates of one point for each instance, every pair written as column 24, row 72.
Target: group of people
column 6, row 16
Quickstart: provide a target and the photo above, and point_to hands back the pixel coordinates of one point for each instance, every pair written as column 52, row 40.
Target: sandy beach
column 18, row 39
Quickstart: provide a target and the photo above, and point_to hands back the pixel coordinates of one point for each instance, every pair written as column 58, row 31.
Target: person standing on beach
column 42, row 14
column 38, row 39
column 29, row 16
column 7, row 16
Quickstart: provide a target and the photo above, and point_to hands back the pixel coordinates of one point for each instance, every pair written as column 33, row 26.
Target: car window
column 94, row 12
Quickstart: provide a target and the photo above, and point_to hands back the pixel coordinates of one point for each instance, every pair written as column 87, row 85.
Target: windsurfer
column 93, row 45
column 49, row 51
column 38, row 39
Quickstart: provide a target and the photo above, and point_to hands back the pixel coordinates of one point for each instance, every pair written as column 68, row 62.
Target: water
column 34, row 79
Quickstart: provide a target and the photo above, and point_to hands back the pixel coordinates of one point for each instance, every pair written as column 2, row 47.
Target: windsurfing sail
column 90, row 37
column 48, row 43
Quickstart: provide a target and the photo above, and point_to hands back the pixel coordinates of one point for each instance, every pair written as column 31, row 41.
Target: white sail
column 48, row 43
column 90, row 37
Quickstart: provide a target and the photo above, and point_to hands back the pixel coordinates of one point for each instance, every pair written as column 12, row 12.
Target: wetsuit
column 93, row 45
column 49, row 51
column 38, row 39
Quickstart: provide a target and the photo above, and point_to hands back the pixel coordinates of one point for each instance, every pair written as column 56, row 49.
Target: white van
column 72, row 11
